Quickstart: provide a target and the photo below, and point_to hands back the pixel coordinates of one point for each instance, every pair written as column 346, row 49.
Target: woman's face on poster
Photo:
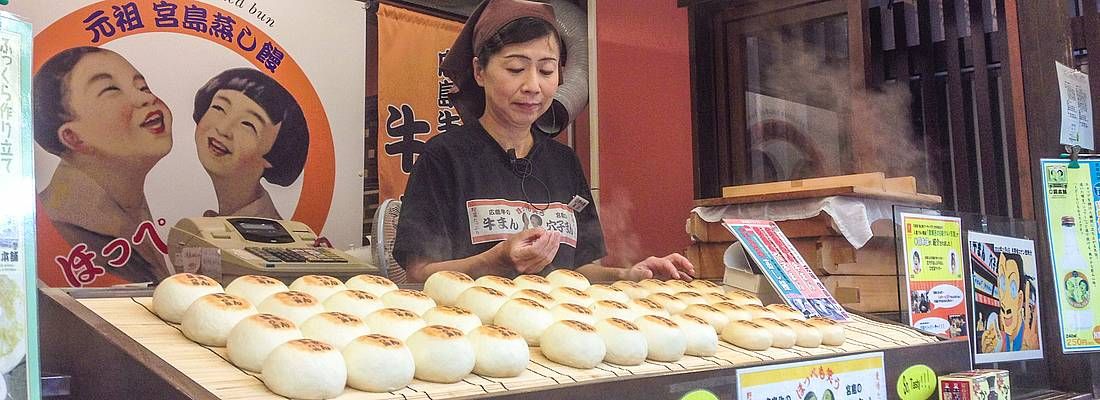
column 234, row 134
column 114, row 113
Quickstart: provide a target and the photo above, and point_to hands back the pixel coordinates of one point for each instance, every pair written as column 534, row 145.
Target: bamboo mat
column 208, row 366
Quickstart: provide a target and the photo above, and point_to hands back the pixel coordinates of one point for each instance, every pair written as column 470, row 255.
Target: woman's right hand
column 526, row 252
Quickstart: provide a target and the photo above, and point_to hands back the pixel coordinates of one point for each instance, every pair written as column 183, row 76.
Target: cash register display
column 261, row 230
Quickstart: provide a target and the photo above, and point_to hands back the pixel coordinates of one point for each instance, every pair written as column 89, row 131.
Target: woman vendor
column 493, row 197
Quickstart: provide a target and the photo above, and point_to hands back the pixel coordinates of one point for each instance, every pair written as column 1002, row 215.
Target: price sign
column 857, row 377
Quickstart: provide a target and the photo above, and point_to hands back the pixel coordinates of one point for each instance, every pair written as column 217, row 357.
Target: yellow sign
column 860, row 376
column 917, row 383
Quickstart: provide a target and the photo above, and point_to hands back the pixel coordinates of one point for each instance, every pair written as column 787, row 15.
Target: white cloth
column 852, row 217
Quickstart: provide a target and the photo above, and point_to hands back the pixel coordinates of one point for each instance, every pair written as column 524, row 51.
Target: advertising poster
column 787, row 271
column 858, row 377
column 18, row 299
column 149, row 111
column 1071, row 208
column 1006, row 298
column 934, row 274
column 413, row 95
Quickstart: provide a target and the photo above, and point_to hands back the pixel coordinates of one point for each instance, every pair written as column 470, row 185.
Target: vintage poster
column 1005, row 296
column 856, row 377
column 149, row 111
column 785, row 268
column 18, row 288
column 413, row 95
column 934, row 274
column 1071, row 209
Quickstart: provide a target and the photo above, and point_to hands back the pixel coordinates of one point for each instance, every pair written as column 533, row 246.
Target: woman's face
column 115, row 114
column 234, row 134
column 520, row 81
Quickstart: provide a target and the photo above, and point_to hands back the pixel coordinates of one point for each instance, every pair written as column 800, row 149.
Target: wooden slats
column 901, row 40
column 962, row 174
column 208, row 368
column 989, row 145
column 955, row 58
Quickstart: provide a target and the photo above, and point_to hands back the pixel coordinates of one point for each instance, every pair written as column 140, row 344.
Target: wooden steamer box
column 864, row 279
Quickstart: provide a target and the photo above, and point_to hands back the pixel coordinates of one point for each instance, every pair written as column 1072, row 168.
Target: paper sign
column 787, row 271
column 1073, row 85
column 934, row 274
column 851, row 377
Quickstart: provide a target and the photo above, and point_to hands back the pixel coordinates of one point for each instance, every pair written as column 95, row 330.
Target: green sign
column 917, row 383
column 1072, row 195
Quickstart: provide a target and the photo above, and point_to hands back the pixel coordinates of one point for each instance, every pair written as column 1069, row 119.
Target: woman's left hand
column 672, row 266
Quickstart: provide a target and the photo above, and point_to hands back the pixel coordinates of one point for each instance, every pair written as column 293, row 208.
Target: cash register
column 239, row 246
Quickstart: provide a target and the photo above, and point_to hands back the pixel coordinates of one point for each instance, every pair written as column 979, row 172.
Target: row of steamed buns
column 459, row 325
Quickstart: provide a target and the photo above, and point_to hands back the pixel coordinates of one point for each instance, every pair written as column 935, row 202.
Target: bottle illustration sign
column 1071, row 218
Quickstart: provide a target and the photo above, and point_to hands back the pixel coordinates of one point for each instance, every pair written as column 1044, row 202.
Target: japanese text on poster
column 18, row 306
column 1005, row 298
column 858, row 377
column 785, row 268
column 1071, row 201
column 414, row 97
column 934, row 274
column 163, row 151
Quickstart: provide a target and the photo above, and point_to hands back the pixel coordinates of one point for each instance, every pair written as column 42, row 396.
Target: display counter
column 113, row 346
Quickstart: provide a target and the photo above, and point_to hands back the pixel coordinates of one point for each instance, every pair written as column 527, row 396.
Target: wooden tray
column 916, row 199
column 194, row 371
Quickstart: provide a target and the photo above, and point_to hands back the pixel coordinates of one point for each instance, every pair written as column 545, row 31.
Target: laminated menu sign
column 1005, row 298
column 857, row 377
column 934, row 274
column 787, row 271
column 1071, row 208
column 18, row 306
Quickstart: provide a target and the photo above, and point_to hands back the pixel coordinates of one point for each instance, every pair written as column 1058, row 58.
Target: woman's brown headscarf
column 487, row 19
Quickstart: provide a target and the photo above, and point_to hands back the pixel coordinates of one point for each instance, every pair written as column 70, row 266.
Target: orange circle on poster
column 315, row 198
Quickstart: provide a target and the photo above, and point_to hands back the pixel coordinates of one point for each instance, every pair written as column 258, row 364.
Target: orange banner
column 413, row 96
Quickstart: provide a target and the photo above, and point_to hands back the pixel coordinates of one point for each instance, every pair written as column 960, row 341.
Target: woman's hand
column 527, row 252
column 672, row 266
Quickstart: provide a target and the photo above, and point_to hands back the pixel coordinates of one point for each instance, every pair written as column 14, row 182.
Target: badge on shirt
column 578, row 203
column 493, row 220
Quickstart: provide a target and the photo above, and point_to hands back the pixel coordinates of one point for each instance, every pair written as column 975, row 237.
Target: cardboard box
column 981, row 384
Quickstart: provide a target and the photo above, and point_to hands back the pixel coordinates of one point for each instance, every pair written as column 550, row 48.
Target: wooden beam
column 860, row 74
column 965, row 199
column 705, row 78
column 993, row 197
column 1044, row 37
column 1018, row 115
